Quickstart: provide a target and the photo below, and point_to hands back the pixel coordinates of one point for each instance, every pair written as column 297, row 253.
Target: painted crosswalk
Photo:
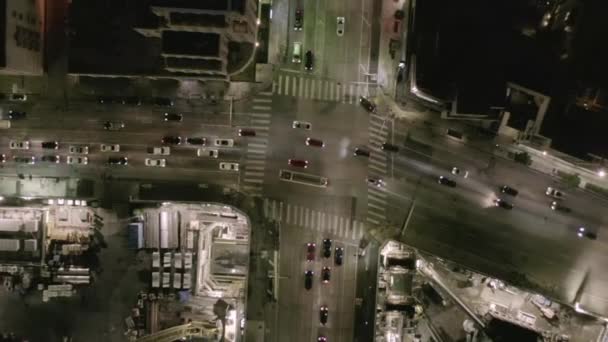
column 314, row 220
column 255, row 153
column 307, row 87
column 376, row 197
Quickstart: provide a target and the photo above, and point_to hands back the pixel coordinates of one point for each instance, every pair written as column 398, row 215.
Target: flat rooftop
column 191, row 43
column 208, row 5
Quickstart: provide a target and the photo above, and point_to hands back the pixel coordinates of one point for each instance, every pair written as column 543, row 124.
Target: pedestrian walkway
column 376, row 197
column 255, row 162
column 314, row 220
column 307, row 87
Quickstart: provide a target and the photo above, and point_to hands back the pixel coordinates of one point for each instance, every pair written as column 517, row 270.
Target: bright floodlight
column 601, row 173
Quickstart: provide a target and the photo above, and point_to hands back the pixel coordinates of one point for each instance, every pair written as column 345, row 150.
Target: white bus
column 303, row 178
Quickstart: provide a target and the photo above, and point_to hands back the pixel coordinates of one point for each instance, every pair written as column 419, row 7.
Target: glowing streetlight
column 601, row 173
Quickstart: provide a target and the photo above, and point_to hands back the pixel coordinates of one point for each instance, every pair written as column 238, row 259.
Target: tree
column 571, row 180
column 524, row 158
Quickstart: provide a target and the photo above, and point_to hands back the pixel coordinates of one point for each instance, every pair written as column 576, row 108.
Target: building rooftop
column 208, row 5
column 191, row 43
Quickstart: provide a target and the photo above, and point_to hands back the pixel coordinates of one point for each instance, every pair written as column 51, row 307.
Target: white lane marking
column 250, row 180
column 260, row 115
column 376, row 206
column 380, row 216
column 369, row 219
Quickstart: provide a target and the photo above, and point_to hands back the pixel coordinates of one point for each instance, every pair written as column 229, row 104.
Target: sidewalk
column 387, row 65
column 38, row 187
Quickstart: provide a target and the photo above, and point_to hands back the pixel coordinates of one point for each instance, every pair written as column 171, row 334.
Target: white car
column 555, row 193
column 161, row 150
column 229, row 166
column 110, row 148
column 207, row 152
column 19, row 145
column 77, row 160
column 79, row 149
column 456, row 171
column 340, row 26
column 156, row 162
column 302, row 125
column 224, row 142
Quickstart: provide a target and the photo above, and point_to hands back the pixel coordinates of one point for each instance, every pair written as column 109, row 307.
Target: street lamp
column 601, row 173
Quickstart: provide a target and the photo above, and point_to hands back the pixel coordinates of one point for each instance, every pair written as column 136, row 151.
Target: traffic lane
column 191, row 109
column 467, row 202
column 534, row 184
column 57, row 128
column 296, row 303
column 82, row 136
column 342, row 315
column 536, row 200
column 528, row 182
column 367, row 278
column 186, row 153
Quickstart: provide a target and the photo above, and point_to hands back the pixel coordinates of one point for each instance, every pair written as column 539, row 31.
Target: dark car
column 505, row 189
column 584, row 232
column 325, row 274
column 118, row 161
column 113, row 125
column 299, row 20
column 162, row 101
column 16, row 115
column 171, row 140
column 359, row 152
column 446, row 181
column 298, row 163
column 374, row 181
column 308, row 279
column 390, row 147
column 557, row 206
column 338, row 255
column 24, row 160
column 309, row 59
column 322, row 339
column 503, row 204
column 315, row 142
column 173, row 117
column 310, row 251
column 132, row 100
column 244, row 132
column 2, row 158
column 327, row 248
column 51, row 159
column 323, row 314
column 107, row 99
column 51, row 145
column 367, row 104
column 196, row 141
